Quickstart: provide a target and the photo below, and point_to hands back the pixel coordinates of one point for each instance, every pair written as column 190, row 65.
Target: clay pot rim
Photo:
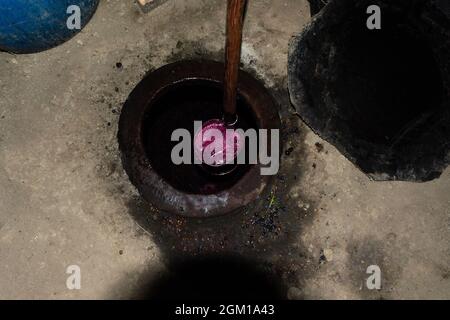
column 149, row 183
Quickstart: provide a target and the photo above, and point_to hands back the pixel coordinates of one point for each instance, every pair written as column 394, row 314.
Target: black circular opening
column 387, row 81
column 177, row 107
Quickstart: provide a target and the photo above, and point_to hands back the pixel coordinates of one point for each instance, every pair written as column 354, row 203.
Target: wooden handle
column 235, row 23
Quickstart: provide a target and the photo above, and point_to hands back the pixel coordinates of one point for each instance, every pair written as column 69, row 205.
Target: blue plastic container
column 28, row 26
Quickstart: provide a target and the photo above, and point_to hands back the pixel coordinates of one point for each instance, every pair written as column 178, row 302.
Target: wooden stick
column 235, row 24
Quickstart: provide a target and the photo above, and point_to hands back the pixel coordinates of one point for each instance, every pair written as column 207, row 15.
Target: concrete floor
column 65, row 200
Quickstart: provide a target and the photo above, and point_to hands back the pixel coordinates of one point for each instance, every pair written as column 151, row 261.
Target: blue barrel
column 28, row 26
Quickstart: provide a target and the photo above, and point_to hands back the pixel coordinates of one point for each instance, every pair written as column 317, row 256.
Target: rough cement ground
column 64, row 198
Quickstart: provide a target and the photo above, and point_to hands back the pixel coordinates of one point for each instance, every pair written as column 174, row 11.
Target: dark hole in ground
column 387, row 81
column 215, row 277
column 177, row 107
column 172, row 98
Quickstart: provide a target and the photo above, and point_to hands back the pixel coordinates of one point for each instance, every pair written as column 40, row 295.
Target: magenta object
column 216, row 145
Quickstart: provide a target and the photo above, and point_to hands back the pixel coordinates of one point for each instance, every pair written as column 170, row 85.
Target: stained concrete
column 65, row 199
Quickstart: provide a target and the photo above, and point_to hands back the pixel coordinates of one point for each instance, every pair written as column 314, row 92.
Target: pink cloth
column 217, row 145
